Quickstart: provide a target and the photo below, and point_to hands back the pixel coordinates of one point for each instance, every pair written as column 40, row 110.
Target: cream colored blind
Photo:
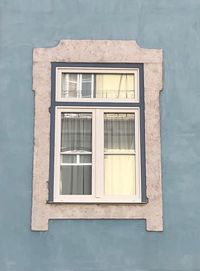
column 119, row 154
column 115, row 86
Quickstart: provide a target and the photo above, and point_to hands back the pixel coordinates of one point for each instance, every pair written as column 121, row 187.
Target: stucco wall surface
column 104, row 245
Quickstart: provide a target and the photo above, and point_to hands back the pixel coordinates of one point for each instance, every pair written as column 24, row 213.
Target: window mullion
column 94, row 153
column 92, row 86
column 57, row 182
column 138, row 154
column 99, row 149
column 67, row 90
column 79, row 85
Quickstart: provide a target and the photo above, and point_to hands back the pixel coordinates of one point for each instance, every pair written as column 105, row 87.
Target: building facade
column 107, row 244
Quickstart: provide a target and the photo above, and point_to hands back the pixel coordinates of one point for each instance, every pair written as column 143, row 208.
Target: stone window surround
column 101, row 51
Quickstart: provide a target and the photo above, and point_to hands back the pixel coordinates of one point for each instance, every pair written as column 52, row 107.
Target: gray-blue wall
column 102, row 245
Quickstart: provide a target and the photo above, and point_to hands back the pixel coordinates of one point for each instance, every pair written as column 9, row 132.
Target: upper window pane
column 115, row 86
column 76, row 132
column 69, row 85
column 119, row 132
column 86, row 89
column 98, row 85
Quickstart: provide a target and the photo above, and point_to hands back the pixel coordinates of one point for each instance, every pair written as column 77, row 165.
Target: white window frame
column 97, row 156
column 79, row 71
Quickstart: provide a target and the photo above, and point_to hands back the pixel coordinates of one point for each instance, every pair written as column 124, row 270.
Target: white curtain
column 119, row 157
column 119, row 154
column 76, row 132
column 76, row 141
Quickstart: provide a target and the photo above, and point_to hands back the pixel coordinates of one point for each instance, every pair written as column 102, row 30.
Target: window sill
column 99, row 202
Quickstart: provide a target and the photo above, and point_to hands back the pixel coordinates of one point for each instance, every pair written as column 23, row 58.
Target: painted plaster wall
column 102, row 245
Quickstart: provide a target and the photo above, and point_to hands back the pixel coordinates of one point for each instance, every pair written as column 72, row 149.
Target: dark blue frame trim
column 140, row 66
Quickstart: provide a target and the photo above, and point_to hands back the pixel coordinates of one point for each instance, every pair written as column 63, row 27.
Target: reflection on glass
column 115, row 86
column 76, row 85
column 102, row 86
column 69, row 85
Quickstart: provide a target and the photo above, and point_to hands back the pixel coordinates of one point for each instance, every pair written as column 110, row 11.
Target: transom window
column 97, row 135
column 102, row 84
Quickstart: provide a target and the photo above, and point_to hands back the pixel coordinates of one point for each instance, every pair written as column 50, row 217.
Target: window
column 97, row 132
column 97, row 151
column 102, row 84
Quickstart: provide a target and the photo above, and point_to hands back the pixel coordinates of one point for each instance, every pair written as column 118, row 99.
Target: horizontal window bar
column 74, row 164
column 99, row 104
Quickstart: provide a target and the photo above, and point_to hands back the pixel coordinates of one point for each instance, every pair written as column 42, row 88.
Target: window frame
column 96, row 51
column 116, row 69
column 97, row 195
column 138, row 103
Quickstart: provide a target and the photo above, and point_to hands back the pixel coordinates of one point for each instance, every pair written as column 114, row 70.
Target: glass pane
column 68, row 158
column 106, row 86
column 76, row 180
column 119, row 175
column 115, row 86
column 87, row 77
column 72, row 91
column 119, row 132
column 76, row 136
column 85, row 158
column 86, row 89
column 64, row 83
column 73, row 77
column 69, row 85
column 119, row 158
column 76, row 132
